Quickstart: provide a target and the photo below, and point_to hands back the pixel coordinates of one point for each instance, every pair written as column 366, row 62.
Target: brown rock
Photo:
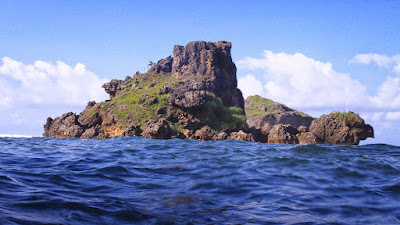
column 332, row 129
column 66, row 125
column 220, row 136
column 268, row 113
column 204, row 134
column 284, row 134
column 241, row 135
column 158, row 130
column 132, row 130
column 306, row 138
column 90, row 133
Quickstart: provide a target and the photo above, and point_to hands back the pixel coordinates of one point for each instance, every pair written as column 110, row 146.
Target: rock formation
column 282, row 124
column 341, row 128
column 194, row 95
column 265, row 113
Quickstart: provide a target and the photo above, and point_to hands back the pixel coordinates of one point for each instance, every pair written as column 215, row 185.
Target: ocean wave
column 144, row 181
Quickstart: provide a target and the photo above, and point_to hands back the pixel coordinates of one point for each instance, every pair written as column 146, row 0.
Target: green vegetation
column 141, row 100
column 346, row 116
column 257, row 102
column 219, row 117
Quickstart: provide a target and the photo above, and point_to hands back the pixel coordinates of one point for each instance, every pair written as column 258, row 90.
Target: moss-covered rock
column 265, row 113
column 178, row 96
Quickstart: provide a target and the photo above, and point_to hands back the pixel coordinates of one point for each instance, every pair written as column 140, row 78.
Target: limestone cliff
column 193, row 94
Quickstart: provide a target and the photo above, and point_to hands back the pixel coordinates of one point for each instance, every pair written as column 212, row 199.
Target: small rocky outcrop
column 265, row 113
column 163, row 66
column 283, row 133
column 307, row 138
column 115, row 86
column 204, row 133
column 66, row 125
column 341, row 128
column 157, row 130
column 132, row 130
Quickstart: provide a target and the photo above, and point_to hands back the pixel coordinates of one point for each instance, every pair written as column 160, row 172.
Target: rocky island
column 193, row 94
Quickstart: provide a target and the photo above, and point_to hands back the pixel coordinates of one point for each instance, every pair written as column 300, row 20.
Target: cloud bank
column 29, row 93
column 305, row 83
column 43, row 84
column 295, row 79
column 392, row 62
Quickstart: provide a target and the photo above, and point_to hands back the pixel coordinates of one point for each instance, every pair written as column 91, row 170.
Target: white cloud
column 303, row 82
column 388, row 95
column 396, row 69
column 393, row 116
column 373, row 116
column 31, row 93
column 385, row 61
column 249, row 85
column 45, row 84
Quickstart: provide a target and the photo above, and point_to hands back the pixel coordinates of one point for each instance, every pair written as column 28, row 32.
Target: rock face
column 341, row 128
column 265, row 113
column 283, row 133
column 204, row 67
column 194, row 95
column 212, row 63
column 66, row 125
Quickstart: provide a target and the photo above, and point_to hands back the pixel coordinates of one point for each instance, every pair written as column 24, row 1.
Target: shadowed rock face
column 211, row 66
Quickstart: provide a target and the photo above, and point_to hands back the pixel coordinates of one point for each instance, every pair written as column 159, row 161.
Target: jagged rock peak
column 210, row 65
column 204, row 58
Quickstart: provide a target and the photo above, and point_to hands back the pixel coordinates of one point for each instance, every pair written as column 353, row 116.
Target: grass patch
column 219, row 117
column 141, row 102
column 346, row 116
column 255, row 102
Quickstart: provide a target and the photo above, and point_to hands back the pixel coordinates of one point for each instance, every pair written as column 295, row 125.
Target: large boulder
column 157, row 130
column 204, row 134
column 66, row 125
column 284, row 134
column 341, row 128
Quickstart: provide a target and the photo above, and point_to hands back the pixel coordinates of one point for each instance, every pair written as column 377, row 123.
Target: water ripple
column 134, row 180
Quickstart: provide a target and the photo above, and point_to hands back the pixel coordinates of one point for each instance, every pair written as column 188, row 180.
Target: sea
column 134, row 180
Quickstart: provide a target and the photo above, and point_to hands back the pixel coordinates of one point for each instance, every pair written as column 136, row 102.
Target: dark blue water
column 143, row 181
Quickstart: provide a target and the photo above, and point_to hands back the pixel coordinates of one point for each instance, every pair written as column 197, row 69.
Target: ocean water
column 135, row 180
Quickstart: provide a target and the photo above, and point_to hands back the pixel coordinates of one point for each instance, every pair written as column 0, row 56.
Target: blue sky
column 334, row 42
